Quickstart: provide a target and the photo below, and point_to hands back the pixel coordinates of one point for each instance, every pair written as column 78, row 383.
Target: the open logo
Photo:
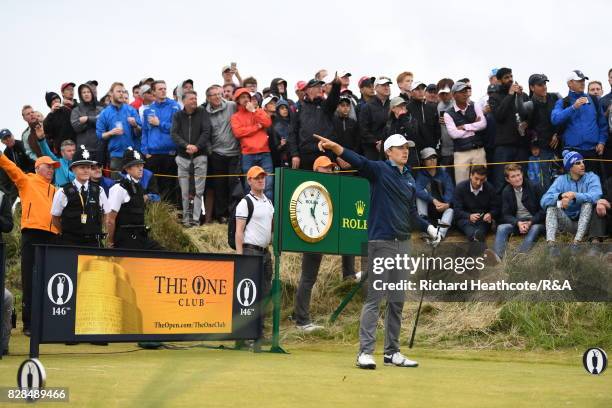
column 60, row 289
column 246, row 292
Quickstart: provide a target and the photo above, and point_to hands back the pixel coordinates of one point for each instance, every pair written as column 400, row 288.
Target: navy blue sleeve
column 449, row 188
column 366, row 168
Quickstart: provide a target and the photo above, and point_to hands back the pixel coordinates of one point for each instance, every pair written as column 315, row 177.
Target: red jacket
column 250, row 129
column 137, row 103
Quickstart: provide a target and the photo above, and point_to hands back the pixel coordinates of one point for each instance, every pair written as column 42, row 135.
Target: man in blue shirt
column 157, row 144
column 393, row 214
column 569, row 201
column 119, row 125
column 63, row 175
column 585, row 126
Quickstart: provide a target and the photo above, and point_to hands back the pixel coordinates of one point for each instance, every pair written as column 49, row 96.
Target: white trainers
column 366, row 361
column 399, row 360
column 309, row 328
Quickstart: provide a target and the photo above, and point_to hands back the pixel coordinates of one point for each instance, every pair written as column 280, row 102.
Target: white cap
column 268, row 99
column 343, row 74
column 382, row 80
column 576, row 75
column 397, row 140
column 416, row 84
column 446, row 89
column 427, row 152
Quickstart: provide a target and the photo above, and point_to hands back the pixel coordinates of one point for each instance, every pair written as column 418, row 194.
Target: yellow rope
column 416, row 168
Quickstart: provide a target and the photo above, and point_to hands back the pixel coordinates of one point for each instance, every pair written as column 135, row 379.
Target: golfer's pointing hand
column 326, row 144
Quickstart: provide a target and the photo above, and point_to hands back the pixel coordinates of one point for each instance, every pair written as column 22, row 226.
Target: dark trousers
column 266, row 283
column 600, row 227
column 30, row 237
column 223, row 186
column 310, row 271
column 476, row 234
column 135, row 238
column 115, row 166
column 448, row 161
column 162, row 165
column 371, row 152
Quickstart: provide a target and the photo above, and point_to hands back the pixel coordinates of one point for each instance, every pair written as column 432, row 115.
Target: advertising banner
column 120, row 295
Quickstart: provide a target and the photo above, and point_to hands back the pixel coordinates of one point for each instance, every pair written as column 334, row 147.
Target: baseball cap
column 537, row 79
column 428, row 152
column 145, row 88
column 492, row 73
column 417, row 84
column 343, row 74
column 322, row 161
column 268, row 99
column 149, row 79
column 446, row 89
column 397, row 101
column 431, row 88
column 92, row 82
column 226, row 68
column 46, row 160
column 366, row 81
column 5, row 133
column 313, row 82
column 345, row 98
column 255, row 171
column 382, row 80
column 66, row 85
column 460, row 86
column 397, row 140
column 300, row 85
column 576, row 75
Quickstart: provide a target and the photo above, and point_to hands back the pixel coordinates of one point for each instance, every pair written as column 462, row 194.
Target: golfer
column 393, row 214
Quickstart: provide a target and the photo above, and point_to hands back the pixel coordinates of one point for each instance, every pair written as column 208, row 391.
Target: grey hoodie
column 86, row 132
column 223, row 140
column 446, row 142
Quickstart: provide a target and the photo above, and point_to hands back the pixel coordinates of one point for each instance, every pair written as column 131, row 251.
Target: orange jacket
column 250, row 129
column 36, row 196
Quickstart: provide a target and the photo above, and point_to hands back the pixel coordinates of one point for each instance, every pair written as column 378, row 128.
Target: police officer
column 126, row 207
column 78, row 207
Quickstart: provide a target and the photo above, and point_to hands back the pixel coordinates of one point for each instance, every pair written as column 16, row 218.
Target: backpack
column 231, row 222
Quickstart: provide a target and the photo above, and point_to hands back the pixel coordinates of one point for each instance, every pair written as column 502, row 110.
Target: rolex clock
column 311, row 211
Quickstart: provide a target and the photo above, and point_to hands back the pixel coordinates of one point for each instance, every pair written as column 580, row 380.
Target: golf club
column 433, row 251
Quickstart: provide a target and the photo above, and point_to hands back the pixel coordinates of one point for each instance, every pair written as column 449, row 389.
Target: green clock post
column 316, row 212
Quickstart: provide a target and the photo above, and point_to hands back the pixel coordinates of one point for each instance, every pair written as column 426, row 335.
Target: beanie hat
column 50, row 96
column 501, row 72
column 569, row 158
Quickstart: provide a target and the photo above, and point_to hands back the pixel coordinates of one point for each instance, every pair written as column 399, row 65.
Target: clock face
column 311, row 211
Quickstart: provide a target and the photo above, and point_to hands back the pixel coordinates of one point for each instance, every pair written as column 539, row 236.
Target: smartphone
column 233, row 65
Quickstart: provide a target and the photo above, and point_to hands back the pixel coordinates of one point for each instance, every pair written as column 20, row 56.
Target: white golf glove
column 435, row 236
